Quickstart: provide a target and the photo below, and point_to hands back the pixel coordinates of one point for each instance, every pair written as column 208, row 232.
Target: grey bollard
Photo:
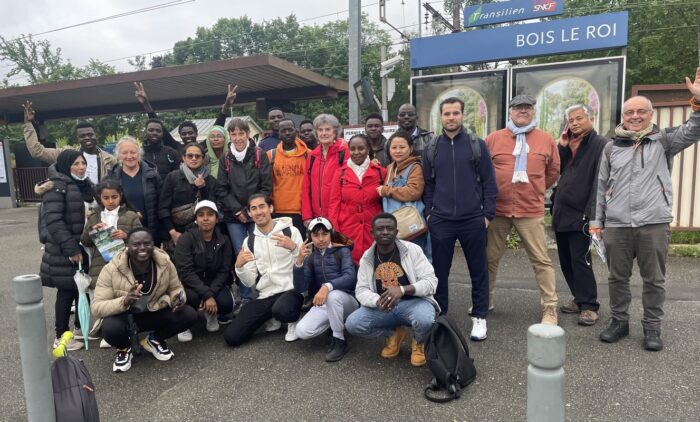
column 33, row 348
column 546, row 382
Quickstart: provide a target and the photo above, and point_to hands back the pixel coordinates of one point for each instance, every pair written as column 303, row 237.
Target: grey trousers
column 649, row 245
column 331, row 314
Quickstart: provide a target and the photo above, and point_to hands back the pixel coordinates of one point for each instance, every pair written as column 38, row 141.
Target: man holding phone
column 580, row 147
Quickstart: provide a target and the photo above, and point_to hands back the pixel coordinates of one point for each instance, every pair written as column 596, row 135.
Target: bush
column 685, row 238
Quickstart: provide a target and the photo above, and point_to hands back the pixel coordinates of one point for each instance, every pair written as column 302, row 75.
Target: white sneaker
column 291, row 332
column 72, row 345
column 184, row 336
column 272, row 325
column 478, row 329
column 104, row 344
column 212, row 323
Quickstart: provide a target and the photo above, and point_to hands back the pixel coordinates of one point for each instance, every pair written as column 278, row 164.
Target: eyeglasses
column 193, row 156
column 521, row 107
column 641, row 112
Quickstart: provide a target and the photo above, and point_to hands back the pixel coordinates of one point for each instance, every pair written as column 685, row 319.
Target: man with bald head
column 408, row 121
column 634, row 208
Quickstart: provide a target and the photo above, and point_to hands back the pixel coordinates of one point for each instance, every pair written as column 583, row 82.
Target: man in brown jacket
column 526, row 161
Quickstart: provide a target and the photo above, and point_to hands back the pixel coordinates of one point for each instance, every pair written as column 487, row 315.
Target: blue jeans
column 238, row 232
column 417, row 313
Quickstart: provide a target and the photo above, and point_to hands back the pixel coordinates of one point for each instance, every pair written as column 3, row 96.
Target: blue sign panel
column 509, row 11
column 516, row 41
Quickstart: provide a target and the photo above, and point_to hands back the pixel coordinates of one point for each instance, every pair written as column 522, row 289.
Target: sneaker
column 570, row 308
column 615, row 331
column 337, row 350
column 478, row 329
column 72, row 345
column 159, row 349
column 272, row 325
column 122, row 362
column 224, row 319
column 239, row 305
column 652, row 340
column 588, row 317
column 392, row 347
column 212, row 323
column 291, row 332
column 184, row 336
column 78, row 335
column 549, row 315
column 104, row 344
column 72, row 309
column 417, row 354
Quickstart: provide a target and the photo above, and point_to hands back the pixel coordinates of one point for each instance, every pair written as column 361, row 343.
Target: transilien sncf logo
column 538, row 6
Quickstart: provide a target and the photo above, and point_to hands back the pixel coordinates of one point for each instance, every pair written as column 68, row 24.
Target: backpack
column 256, row 163
column 341, row 159
column 474, row 142
column 73, row 391
column 251, row 239
column 41, row 225
column 447, row 356
column 273, row 152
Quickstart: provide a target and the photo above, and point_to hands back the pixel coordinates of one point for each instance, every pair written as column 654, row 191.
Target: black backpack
column 474, row 143
column 341, row 160
column 251, row 239
column 447, row 355
column 73, row 391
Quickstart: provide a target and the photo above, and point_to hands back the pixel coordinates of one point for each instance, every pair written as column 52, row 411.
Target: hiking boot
column 122, row 362
column 158, row 348
column 549, row 315
column 184, row 336
column 588, row 317
column 72, row 345
column 272, row 325
column 478, row 329
column 337, row 350
column 417, row 354
column 291, row 332
column 392, row 347
column 212, row 323
column 652, row 340
column 570, row 308
column 615, row 331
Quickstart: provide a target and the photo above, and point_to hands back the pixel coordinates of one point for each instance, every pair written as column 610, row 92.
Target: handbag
column 409, row 215
column 184, row 214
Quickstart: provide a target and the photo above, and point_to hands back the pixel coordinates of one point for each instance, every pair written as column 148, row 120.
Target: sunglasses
column 193, row 156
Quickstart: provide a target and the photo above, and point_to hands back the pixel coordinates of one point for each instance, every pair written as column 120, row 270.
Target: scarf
column 621, row 132
column 520, row 151
column 359, row 170
column 575, row 142
column 63, row 163
column 110, row 218
column 213, row 159
column 191, row 175
column 239, row 156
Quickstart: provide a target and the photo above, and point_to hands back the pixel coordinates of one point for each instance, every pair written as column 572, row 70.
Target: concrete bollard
column 33, row 348
column 546, row 382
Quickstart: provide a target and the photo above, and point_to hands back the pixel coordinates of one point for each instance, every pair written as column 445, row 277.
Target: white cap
column 206, row 204
column 320, row 220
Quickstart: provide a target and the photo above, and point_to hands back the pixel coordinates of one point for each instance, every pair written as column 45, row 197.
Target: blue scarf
column 520, row 151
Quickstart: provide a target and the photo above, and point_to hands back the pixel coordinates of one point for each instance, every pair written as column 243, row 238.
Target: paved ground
column 269, row 379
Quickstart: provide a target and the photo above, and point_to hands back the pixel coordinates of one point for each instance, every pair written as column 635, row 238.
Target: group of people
column 305, row 219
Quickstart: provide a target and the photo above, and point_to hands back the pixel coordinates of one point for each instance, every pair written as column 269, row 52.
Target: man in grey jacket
column 395, row 286
column 634, row 205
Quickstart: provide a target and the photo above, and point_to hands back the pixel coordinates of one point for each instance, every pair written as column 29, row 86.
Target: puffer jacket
column 334, row 266
column 63, row 212
column 177, row 191
column 116, row 279
column 237, row 181
column 192, row 267
column 634, row 183
column 127, row 221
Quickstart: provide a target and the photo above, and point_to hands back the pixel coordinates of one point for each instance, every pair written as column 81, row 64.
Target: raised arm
column 31, row 139
column 689, row 132
column 226, row 108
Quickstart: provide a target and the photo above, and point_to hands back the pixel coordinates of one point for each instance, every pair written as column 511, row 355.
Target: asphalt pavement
column 268, row 379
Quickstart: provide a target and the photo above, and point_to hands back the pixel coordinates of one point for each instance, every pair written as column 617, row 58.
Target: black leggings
column 64, row 300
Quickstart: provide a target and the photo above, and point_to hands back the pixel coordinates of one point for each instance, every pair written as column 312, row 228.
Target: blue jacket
column 319, row 269
column 454, row 194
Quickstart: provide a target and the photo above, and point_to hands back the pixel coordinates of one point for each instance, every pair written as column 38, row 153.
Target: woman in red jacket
column 354, row 198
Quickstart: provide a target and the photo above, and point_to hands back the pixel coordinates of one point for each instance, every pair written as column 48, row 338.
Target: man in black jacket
column 165, row 158
column 408, row 121
column 580, row 148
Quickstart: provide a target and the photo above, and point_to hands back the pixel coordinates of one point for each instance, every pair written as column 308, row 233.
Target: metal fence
column 25, row 179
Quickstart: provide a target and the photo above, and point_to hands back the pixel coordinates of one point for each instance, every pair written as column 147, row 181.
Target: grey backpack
column 73, row 391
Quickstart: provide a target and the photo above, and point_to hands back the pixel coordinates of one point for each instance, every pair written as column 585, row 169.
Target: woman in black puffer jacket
column 63, row 213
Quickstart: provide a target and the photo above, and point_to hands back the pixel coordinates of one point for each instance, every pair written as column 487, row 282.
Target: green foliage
column 686, row 238
column 513, row 239
column 689, row 251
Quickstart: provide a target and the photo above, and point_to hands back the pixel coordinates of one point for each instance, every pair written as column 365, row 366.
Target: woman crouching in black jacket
column 203, row 257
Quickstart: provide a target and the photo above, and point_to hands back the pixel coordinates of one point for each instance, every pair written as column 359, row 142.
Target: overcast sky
column 115, row 40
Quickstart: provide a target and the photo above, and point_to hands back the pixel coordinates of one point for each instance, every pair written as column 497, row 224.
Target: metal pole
column 354, row 59
column 385, row 108
column 33, row 348
column 546, row 381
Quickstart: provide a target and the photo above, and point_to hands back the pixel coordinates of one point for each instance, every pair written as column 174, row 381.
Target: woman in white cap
column 203, row 258
column 325, row 269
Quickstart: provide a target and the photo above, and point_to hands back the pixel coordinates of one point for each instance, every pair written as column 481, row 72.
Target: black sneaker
column 158, row 348
column 615, row 331
column 122, row 362
column 337, row 350
column 652, row 340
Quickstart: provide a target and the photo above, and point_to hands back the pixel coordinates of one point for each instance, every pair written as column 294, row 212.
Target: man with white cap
column 203, row 258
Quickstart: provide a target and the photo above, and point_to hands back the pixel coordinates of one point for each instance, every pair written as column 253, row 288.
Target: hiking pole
column 546, row 351
column 33, row 347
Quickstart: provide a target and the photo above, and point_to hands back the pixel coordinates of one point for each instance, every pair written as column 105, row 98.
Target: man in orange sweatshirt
column 288, row 163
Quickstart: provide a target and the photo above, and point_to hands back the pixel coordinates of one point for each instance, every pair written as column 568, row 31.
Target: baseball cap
column 522, row 99
column 206, row 204
column 320, row 220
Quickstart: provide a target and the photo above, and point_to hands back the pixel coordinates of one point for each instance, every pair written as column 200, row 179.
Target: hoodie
column 288, row 177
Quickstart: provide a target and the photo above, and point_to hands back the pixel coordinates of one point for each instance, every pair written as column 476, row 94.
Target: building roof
column 205, row 125
column 177, row 87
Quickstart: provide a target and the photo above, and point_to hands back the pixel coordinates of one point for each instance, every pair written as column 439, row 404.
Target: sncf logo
column 543, row 5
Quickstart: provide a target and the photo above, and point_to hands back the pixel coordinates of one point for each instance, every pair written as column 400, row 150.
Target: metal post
column 546, row 351
column 33, row 348
column 385, row 107
column 354, row 59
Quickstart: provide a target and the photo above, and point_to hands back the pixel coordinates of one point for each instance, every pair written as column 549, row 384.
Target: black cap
column 522, row 99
